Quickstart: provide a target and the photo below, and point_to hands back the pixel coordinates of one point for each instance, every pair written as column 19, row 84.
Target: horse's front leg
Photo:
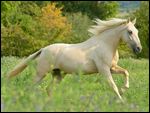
column 105, row 70
column 119, row 70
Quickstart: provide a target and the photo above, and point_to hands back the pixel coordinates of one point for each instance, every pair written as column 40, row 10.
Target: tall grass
column 75, row 92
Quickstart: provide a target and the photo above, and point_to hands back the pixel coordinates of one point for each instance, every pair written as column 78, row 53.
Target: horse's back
column 56, row 47
column 50, row 53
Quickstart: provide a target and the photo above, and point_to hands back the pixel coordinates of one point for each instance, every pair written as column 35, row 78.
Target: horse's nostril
column 138, row 48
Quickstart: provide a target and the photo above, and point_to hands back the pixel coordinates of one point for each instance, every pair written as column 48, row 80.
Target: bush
column 80, row 26
column 125, row 51
column 26, row 31
column 16, row 42
column 94, row 9
column 55, row 25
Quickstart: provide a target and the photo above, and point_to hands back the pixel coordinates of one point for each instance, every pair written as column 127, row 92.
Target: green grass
column 75, row 92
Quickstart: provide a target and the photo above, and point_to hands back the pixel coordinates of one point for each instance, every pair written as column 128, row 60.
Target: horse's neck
column 110, row 38
column 88, row 43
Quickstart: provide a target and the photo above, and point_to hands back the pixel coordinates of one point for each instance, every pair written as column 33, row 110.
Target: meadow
column 76, row 92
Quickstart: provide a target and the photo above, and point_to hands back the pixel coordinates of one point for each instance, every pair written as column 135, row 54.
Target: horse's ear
column 134, row 21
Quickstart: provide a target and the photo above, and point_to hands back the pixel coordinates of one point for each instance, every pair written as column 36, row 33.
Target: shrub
column 80, row 25
column 26, row 31
column 55, row 25
column 93, row 9
column 16, row 42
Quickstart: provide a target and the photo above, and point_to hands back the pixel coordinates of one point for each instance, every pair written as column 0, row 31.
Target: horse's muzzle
column 137, row 49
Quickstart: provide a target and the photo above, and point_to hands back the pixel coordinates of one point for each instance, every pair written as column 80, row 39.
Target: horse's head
column 130, row 36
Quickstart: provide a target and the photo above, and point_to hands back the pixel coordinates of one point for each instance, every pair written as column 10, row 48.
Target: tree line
column 30, row 25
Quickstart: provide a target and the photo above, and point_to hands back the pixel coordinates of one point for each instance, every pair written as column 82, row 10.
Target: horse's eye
column 130, row 32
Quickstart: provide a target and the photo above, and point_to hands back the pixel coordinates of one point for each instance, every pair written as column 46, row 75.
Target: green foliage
column 42, row 3
column 30, row 8
column 108, row 10
column 24, row 27
column 18, row 27
column 142, row 25
column 80, row 25
column 16, row 42
column 9, row 12
column 125, row 51
column 93, row 9
column 76, row 92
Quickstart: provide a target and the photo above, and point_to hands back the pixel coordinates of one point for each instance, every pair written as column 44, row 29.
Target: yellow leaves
column 55, row 25
column 52, row 17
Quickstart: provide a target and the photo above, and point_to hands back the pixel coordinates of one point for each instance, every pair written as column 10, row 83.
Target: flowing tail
column 20, row 67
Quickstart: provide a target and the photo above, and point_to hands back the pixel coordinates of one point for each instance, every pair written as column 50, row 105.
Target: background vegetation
column 29, row 26
column 76, row 92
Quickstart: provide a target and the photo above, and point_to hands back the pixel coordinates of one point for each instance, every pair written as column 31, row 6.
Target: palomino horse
column 98, row 54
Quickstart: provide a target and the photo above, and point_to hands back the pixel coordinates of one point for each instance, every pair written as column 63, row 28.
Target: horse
column 98, row 54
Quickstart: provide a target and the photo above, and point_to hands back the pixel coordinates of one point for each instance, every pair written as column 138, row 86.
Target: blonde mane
column 105, row 25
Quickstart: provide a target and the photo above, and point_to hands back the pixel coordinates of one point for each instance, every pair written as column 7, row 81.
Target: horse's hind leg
column 43, row 67
column 56, row 75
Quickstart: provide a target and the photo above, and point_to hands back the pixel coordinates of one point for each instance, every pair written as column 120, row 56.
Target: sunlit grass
column 75, row 92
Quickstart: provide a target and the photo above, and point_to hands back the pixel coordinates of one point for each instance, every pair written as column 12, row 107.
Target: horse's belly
column 86, row 67
column 90, row 67
column 73, row 59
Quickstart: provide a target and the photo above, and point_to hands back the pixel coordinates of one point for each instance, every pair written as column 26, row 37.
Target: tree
column 8, row 11
column 56, row 25
column 93, row 9
column 26, row 27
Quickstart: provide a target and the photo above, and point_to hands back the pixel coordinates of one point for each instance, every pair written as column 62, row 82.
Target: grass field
column 75, row 92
